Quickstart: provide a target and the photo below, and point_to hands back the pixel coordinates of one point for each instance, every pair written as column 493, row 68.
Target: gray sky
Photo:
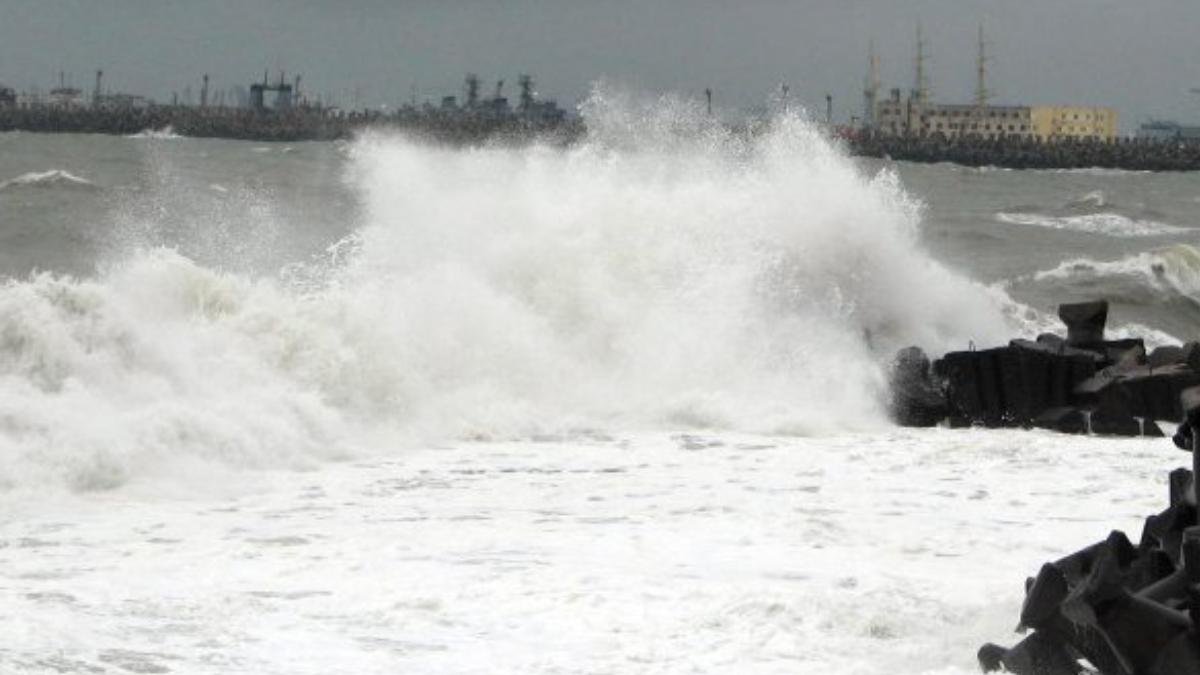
column 1140, row 57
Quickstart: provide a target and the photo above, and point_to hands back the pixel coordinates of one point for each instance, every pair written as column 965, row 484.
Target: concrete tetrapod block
column 1085, row 321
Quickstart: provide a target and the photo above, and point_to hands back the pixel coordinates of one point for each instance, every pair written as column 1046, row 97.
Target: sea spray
column 664, row 273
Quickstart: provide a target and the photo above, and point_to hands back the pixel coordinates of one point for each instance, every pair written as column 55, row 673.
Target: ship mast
column 921, row 90
column 871, row 87
column 981, row 91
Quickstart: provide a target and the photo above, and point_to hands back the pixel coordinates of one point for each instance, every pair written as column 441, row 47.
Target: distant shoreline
column 457, row 128
column 1124, row 155
column 293, row 126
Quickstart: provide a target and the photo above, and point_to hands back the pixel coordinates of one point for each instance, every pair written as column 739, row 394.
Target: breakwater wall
column 300, row 124
column 460, row 127
column 1125, row 154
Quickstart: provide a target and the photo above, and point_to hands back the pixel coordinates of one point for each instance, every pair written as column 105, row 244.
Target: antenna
column 981, row 91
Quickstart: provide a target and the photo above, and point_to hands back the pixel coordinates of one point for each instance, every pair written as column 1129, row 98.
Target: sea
column 382, row 406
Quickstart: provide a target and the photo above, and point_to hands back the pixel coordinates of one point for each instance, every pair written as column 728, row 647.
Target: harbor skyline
column 1136, row 59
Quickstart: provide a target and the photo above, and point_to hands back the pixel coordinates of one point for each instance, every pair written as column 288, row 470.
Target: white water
column 664, row 275
column 163, row 134
column 1158, row 275
column 892, row 553
column 52, row 178
column 609, row 409
column 1107, row 224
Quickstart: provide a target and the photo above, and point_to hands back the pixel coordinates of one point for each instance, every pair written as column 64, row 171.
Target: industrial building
column 1052, row 123
column 895, row 117
column 918, row 116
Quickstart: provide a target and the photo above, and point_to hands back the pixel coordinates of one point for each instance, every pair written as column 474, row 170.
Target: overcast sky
column 1141, row 57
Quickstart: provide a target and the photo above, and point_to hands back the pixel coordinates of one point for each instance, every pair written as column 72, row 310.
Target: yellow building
column 1052, row 122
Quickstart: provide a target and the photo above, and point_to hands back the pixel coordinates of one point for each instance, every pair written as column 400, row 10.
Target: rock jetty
column 1080, row 383
column 1115, row 607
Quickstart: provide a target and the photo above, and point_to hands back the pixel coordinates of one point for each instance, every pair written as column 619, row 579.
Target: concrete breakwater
column 1125, row 609
column 465, row 127
column 1015, row 153
column 300, row 124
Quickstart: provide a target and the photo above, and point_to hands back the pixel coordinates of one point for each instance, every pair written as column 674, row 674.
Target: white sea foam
column 1095, row 198
column 164, row 134
column 663, row 274
column 46, row 179
column 897, row 553
column 1108, row 224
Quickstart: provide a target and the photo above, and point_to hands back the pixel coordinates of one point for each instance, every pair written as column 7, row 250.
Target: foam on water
column 164, row 134
column 52, row 178
column 665, row 273
column 1107, row 224
column 894, row 553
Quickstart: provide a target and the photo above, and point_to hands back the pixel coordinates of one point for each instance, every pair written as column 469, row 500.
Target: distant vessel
column 1168, row 130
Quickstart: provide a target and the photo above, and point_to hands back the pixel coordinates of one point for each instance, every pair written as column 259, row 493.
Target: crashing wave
column 664, row 273
column 1152, row 276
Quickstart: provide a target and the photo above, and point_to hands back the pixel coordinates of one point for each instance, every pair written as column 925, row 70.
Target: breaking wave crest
column 1161, row 275
column 1107, row 224
column 166, row 133
column 664, row 273
column 53, row 178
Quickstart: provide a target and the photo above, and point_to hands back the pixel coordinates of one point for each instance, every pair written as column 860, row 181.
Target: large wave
column 663, row 273
column 1167, row 274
